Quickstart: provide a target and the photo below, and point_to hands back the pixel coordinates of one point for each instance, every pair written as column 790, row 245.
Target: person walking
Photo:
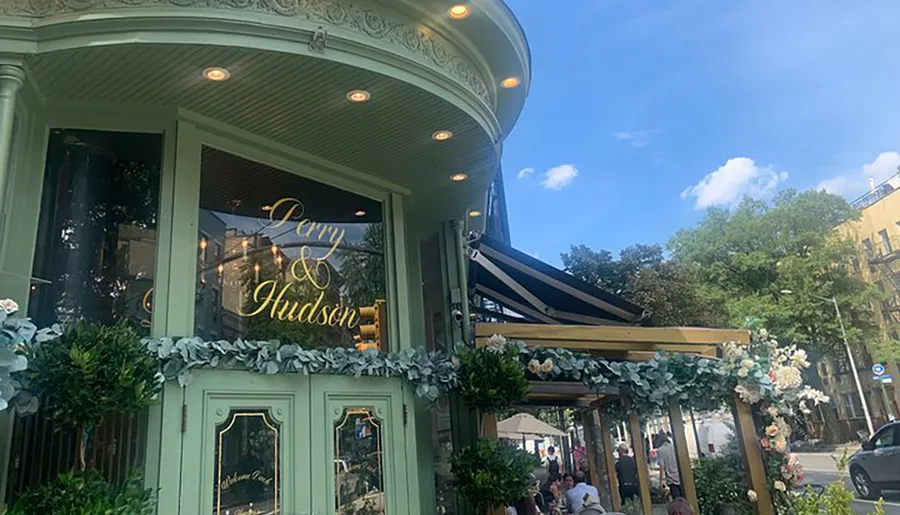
column 668, row 467
column 553, row 463
column 626, row 472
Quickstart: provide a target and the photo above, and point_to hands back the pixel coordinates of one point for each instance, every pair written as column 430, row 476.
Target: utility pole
column 859, row 389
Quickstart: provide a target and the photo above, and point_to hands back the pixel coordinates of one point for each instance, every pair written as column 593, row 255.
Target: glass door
column 360, row 434
column 245, row 444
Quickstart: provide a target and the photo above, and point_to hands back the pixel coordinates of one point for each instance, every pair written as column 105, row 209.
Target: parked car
column 875, row 466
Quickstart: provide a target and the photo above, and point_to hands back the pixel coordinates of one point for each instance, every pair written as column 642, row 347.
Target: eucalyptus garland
column 700, row 382
column 432, row 373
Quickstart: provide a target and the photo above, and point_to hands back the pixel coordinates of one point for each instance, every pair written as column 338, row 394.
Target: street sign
column 878, row 369
column 886, row 380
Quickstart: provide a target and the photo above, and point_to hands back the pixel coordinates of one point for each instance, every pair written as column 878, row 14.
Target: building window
column 96, row 246
column 867, row 243
column 855, row 263
column 299, row 258
column 885, row 241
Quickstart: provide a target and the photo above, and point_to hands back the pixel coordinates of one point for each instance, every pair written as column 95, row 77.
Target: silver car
column 876, row 466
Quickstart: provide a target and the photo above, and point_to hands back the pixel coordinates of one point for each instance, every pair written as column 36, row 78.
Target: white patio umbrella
column 526, row 427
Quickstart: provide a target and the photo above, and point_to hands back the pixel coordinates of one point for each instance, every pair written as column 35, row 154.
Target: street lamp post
column 859, row 389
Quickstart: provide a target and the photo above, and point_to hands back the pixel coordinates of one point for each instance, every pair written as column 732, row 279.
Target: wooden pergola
column 631, row 343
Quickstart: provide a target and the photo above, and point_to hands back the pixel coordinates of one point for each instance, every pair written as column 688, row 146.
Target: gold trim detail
column 348, row 412
column 234, row 416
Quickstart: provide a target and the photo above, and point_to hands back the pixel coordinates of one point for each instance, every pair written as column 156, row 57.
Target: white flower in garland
column 747, row 363
column 534, row 366
column 786, row 378
column 748, row 395
column 751, row 496
column 799, row 359
column 780, row 486
column 547, row 366
column 9, row 306
column 496, row 343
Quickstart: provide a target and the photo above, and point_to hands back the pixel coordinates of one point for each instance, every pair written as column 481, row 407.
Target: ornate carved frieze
column 369, row 22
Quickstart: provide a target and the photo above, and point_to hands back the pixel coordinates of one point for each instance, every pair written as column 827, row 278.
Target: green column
column 12, row 78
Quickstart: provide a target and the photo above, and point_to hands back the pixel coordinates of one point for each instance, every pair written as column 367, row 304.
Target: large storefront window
column 96, row 250
column 284, row 257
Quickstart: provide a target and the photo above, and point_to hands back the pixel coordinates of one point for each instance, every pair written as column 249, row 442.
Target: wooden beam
column 587, row 425
column 640, row 457
column 685, row 471
column 610, row 462
column 753, row 461
column 629, row 334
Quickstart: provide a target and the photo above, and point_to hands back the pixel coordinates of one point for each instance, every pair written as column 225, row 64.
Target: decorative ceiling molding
column 372, row 23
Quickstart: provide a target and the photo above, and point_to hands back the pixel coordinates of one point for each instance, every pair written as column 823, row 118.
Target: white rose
column 751, row 494
column 547, row 366
column 9, row 306
column 742, row 372
column 747, row 363
column 496, row 342
column 781, row 487
column 534, row 366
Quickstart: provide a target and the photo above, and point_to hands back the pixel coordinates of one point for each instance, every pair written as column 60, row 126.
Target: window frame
column 193, row 136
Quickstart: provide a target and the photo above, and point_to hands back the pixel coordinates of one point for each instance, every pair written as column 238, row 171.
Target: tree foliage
column 746, row 257
column 668, row 289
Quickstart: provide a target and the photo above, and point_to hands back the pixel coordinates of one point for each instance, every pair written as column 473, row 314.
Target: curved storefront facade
column 254, row 170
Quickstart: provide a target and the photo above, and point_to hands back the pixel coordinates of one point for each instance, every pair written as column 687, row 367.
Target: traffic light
column 372, row 327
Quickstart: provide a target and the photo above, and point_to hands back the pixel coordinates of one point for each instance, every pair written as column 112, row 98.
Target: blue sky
column 644, row 113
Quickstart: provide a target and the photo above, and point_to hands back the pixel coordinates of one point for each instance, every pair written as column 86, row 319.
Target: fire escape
column 884, row 263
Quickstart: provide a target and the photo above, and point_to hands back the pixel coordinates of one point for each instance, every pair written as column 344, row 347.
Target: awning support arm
column 494, row 270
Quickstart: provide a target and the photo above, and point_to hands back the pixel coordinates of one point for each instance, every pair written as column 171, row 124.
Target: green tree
column 745, row 257
column 668, row 289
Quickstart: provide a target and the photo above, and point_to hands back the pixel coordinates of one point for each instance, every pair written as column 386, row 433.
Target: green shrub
column 491, row 379
column 720, row 481
column 87, row 493
column 491, row 475
column 92, row 370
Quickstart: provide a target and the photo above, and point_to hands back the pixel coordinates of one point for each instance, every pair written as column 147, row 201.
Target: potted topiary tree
column 488, row 474
column 87, row 372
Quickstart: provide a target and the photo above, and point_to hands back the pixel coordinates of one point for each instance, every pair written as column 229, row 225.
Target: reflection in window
column 247, row 465
column 96, row 250
column 283, row 257
column 358, row 464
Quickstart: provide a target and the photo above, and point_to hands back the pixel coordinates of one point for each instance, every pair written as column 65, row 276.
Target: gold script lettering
column 270, row 295
column 235, row 478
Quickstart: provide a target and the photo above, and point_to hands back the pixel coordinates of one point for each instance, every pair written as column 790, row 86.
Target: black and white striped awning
column 540, row 292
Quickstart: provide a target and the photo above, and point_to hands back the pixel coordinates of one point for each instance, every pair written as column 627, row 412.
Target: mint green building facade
column 256, row 169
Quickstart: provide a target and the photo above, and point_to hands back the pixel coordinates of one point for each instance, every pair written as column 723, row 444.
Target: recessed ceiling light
column 442, row 135
column 510, row 82
column 457, row 177
column 474, row 213
column 361, row 212
column 216, row 74
column 459, row 11
column 358, row 95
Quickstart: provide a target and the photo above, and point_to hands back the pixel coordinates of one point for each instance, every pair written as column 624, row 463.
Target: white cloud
column 636, row 139
column 559, row 177
column 737, row 178
column 525, row 173
column 857, row 183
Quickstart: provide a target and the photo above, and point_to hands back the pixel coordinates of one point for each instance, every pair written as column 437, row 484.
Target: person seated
column 578, row 495
column 680, row 506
